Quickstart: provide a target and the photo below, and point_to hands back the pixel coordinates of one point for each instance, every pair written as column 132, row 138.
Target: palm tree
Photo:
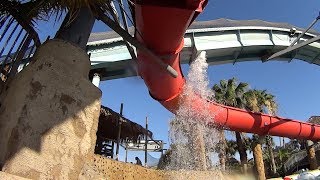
column 283, row 155
column 269, row 143
column 222, row 145
column 261, row 101
column 258, row 157
column 230, row 93
column 231, row 149
column 268, row 105
column 235, row 94
column 271, row 106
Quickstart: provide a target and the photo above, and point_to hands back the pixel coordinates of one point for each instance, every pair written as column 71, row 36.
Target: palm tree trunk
column 258, row 159
column 311, row 155
column 198, row 147
column 222, row 150
column 78, row 30
column 273, row 164
column 242, row 151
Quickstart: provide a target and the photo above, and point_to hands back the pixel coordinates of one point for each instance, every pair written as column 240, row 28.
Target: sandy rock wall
column 49, row 115
column 111, row 169
column 7, row 176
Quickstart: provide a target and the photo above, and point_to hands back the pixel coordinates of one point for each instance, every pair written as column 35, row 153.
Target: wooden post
column 119, row 132
column 146, row 144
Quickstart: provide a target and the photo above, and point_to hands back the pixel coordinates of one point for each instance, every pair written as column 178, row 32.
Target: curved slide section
column 161, row 26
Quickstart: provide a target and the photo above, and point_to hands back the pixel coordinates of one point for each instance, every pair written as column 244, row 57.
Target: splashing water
column 193, row 140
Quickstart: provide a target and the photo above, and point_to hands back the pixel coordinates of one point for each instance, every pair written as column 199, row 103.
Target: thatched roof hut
column 108, row 127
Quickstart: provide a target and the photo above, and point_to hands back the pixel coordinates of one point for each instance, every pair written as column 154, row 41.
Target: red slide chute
column 161, row 26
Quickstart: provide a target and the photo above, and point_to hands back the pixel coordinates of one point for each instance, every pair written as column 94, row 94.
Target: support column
column 119, row 132
column 49, row 115
column 96, row 79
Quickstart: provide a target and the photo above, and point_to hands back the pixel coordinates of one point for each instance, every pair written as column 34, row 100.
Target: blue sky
column 294, row 84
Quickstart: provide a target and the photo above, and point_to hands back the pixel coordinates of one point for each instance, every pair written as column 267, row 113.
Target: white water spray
column 193, row 140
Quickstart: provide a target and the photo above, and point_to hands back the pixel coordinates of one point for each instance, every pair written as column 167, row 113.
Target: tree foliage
column 239, row 95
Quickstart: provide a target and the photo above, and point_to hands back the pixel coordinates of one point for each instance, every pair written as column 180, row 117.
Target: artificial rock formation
column 49, row 115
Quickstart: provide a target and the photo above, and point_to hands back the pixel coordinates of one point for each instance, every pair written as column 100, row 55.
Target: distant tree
column 231, row 161
column 231, row 148
column 230, row 93
column 270, row 144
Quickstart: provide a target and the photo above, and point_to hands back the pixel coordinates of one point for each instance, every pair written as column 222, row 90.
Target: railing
column 18, row 42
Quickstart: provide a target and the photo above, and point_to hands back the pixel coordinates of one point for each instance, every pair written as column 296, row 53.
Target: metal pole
column 119, row 132
column 112, row 146
column 146, row 144
column 126, row 159
column 306, row 30
column 291, row 48
column 96, row 79
column 127, row 37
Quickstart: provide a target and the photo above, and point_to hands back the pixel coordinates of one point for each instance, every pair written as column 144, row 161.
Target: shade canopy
column 108, row 127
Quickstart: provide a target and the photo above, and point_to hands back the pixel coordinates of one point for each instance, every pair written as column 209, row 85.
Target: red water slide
column 161, row 25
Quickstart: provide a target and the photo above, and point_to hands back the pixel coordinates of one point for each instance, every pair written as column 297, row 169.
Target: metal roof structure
column 224, row 40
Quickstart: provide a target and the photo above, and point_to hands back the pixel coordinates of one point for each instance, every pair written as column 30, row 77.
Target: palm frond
column 241, row 88
column 223, row 84
column 33, row 10
column 216, row 88
column 21, row 12
column 251, row 101
column 232, row 83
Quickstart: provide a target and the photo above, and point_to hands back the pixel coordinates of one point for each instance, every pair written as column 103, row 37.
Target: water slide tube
column 161, row 26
